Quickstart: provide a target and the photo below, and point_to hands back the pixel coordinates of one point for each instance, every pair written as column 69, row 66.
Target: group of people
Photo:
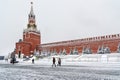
column 59, row 62
column 54, row 62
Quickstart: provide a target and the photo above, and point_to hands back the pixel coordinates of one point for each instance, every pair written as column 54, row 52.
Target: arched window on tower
column 117, row 35
column 106, row 37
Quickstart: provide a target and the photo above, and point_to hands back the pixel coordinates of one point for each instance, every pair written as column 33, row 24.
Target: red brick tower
column 31, row 37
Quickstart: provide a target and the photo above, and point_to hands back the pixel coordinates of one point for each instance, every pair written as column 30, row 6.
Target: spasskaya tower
column 31, row 37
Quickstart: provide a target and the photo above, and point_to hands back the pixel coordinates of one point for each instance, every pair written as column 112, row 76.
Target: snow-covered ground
column 73, row 68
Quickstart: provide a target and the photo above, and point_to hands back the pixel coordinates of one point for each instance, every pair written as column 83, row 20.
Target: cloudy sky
column 58, row 20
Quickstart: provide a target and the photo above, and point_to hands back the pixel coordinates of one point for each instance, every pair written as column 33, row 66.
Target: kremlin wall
column 93, row 45
column 31, row 42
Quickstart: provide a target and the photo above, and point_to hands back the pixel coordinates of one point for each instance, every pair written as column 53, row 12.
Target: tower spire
column 31, row 19
column 31, row 12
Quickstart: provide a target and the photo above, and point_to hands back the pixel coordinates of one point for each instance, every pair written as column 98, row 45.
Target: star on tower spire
column 31, row 12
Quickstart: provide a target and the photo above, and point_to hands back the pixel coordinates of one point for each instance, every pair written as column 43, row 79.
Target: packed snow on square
column 73, row 67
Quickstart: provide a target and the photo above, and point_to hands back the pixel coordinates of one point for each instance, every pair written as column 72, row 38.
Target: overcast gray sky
column 58, row 20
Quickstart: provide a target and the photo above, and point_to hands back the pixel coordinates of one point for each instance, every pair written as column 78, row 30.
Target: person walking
column 53, row 62
column 59, row 61
column 33, row 60
column 13, row 60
